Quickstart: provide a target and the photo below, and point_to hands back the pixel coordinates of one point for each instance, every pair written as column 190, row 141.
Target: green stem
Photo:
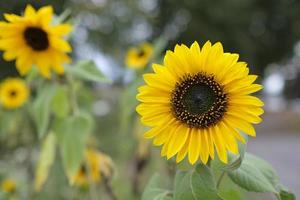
column 73, row 95
column 109, row 189
column 220, row 179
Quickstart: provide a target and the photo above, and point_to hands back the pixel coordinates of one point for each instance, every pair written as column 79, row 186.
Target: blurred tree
column 261, row 31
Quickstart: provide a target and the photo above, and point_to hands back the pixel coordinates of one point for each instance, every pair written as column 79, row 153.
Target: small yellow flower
column 198, row 101
column 139, row 57
column 8, row 185
column 13, row 93
column 94, row 166
column 32, row 40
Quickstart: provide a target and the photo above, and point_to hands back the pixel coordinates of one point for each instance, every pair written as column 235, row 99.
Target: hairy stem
column 220, row 179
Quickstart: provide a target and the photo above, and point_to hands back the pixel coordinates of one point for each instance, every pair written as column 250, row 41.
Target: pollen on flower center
column 36, row 38
column 198, row 100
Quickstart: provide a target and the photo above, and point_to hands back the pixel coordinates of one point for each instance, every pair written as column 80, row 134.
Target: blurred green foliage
column 261, row 31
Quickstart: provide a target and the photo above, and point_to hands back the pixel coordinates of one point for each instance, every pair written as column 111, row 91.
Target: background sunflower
column 32, row 39
column 138, row 57
column 13, row 93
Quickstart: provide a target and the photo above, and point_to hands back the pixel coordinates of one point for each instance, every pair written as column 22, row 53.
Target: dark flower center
column 198, row 100
column 141, row 53
column 13, row 93
column 83, row 169
column 36, row 38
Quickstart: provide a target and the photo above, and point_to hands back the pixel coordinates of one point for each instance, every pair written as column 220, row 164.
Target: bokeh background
column 265, row 33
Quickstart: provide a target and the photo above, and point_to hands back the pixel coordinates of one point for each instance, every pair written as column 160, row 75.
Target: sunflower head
column 138, row 57
column 13, row 93
column 199, row 101
column 8, row 185
column 95, row 166
column 32, row 39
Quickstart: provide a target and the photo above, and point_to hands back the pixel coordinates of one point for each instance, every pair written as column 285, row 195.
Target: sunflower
column 13, row 93
column 199, row 101
column 8, row 186
column 139, row 57
column 32, row 40
column 95, row 165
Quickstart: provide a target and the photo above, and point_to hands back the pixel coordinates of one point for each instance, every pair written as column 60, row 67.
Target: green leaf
column 41, row 108
column 203, row 183
column 287, row 195
column 198, row 184
column 60, row 103
column 72, row 134
column 257, row 175
column 232, row 194
column 253, row 175
column 183, row 188
column 45, row 161
column 88, row 71
column 153, row 190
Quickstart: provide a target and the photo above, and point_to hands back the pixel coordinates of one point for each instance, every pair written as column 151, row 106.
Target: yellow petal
column 245, row 100
column 157, row 81
column 219, row 144
column 29, row 12
column 60, row 44
column 61, row 30
column 45, row 15
column 203, row 55
column 59, row 69
column 228, row 60
column 242, row 125
column 194, row 146
column 177, row 140
column 157, row 130
column 164, row 136
column 204, row 152
column 230, row 141
column 12, row 18
column 210, row 140
column 195, row 48
column 23, row 65
column 247, row 90
column 233, row 131
column 183, row 152
column 254, row 119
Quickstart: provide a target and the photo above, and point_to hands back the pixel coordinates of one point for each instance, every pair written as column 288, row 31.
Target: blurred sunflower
column 32, row 40
column 8, row 186
column 94, row 166
column 138, row 57
column 198, row 101
column 13, row 93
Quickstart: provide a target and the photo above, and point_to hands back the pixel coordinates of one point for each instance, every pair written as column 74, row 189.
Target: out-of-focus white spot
column 99, row 3
column 148, row 5
column 101, row 108
column 274, row 84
